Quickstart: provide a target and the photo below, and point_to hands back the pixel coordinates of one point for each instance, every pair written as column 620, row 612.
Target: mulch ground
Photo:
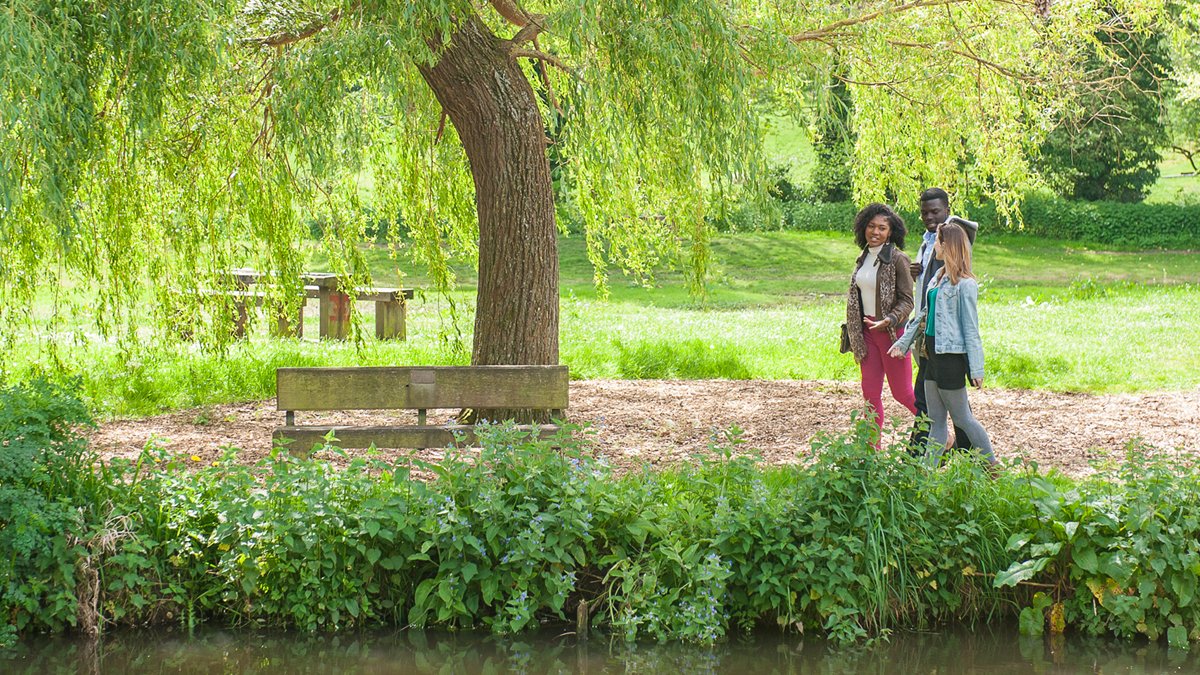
column 661, row 422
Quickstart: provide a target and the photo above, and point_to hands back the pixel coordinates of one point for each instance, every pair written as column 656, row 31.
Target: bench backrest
column 426, row 387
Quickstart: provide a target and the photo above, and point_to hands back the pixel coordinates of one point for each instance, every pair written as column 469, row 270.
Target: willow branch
column 541, row 56
column 1003, row 70
column 283, row 38
column 748, row 58
column 530, row 31
column 545, row 75
column 512, row 12
column 889, row 85
column 437, row 138
column 836, row 26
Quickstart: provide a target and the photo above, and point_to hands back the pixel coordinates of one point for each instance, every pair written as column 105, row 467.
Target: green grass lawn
column 1174, row 185
column 755, row 269
column 787, row 144
column 1055, row 315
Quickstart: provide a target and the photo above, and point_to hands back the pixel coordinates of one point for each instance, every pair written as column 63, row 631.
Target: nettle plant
column 525, row 531
column 508, row 530
column 1114, row 556
column 664, row 576
column 495, row 538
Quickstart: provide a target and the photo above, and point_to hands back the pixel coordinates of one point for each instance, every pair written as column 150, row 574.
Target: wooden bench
column 391, row 306
column 241, row 299
column 411, row 388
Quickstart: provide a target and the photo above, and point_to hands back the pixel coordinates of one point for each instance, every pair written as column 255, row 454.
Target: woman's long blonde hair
column 956, row 252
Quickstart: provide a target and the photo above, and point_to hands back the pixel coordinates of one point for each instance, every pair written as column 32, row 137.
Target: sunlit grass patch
column 1054, row 315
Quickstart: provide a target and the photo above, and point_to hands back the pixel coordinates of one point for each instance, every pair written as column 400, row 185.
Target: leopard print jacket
column 893, row 297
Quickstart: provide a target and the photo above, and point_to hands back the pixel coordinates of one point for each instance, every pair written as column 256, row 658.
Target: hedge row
column 1110, row 223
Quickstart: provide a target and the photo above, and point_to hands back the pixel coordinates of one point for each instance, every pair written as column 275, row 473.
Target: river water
column 953, row 651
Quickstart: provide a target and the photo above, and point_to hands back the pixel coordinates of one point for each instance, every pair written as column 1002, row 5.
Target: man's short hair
column 935, row 193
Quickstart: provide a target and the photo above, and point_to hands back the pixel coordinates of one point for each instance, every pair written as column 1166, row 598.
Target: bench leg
column 240, row 319
column 335, row 315
column 285, row 327
column 389, row 319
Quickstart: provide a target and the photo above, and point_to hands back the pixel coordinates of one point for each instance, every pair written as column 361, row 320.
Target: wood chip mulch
column 660, row 422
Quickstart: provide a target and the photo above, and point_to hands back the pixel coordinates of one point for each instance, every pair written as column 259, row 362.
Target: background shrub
column 1111, row 223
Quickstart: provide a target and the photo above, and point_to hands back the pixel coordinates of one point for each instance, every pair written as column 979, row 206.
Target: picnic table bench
column 419, row 388
column 334, row 306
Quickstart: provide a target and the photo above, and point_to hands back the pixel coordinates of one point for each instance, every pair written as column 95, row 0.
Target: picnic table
column 333, row 305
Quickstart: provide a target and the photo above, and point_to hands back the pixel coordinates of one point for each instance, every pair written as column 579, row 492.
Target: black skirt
column 949, row 371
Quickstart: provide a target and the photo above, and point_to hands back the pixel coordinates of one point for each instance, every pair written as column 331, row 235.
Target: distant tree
column 1110, row 147
column 833, row 139
column 1184, row 100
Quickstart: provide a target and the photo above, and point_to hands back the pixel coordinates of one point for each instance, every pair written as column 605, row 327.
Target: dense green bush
column 819, row 216
column 1136, row 225
column 47, row 501
column 1132, row 225
column 853, row 544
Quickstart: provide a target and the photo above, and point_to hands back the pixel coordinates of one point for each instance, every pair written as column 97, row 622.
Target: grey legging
column 954, row 402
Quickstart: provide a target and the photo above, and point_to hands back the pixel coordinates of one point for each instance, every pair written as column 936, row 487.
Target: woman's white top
column 866, row 279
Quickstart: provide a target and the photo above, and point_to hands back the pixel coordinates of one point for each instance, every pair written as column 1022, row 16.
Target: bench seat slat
column 431, row 436
column 365, row 294
column 383, row 388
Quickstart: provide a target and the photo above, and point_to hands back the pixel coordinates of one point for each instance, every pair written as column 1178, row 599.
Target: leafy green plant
column 1032, row 619
column 48, row 494
column 1123, row 557
column 852, row 543
column 512, row 529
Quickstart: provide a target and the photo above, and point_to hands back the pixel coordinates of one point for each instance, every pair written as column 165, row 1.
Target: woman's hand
column 882, row 324
column 977, row 382
column 895, row 352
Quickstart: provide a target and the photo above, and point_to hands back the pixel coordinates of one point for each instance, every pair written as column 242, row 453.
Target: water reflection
column 214, row 651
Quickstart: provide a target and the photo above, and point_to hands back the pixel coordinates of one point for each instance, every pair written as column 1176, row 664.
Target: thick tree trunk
column 488, row 98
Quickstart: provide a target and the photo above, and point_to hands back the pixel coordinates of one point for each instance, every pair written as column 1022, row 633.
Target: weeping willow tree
column 148, row 146
column 1184, row 89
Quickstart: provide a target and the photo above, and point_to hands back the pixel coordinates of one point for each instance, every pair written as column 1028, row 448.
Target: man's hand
column 977, row 382
column 915, row 270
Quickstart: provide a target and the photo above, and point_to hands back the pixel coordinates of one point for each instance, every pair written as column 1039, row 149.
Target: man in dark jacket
column 935, row 210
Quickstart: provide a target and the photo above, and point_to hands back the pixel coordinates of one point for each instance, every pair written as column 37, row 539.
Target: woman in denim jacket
column 949, row 324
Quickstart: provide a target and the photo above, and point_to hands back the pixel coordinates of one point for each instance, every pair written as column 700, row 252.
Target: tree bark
column 492, row 106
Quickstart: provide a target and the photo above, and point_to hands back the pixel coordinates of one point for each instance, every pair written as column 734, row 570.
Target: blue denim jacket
column 955, row 323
